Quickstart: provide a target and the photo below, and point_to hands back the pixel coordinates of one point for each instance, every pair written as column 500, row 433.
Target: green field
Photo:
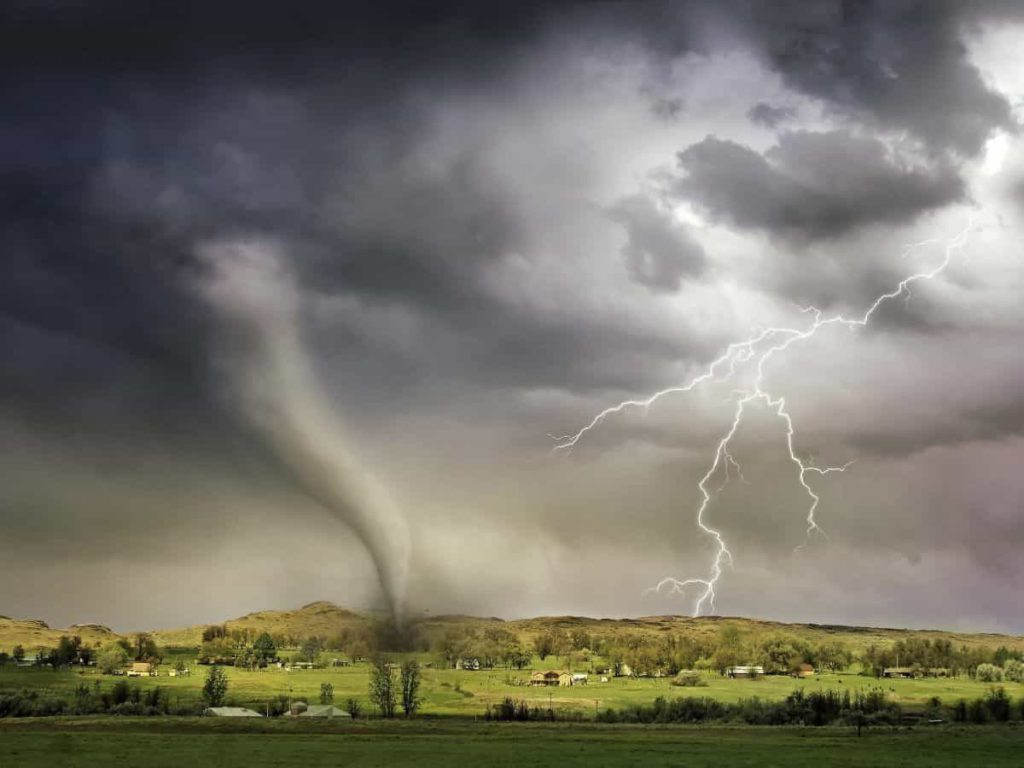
column 465, row 693
column 199, row 742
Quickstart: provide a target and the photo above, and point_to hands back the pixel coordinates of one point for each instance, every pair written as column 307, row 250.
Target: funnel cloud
column 273, row 385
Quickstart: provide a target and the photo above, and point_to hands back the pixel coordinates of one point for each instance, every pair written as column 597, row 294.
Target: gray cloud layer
column 498, row 225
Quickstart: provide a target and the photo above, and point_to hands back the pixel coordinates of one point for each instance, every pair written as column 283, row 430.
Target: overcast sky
column 468, row 230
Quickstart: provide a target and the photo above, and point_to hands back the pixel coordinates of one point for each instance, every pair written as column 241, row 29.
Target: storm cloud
column 489, row 226
column 812, row 185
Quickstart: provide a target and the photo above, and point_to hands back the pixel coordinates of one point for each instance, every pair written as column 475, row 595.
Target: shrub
column 1013, row 671
column 689, row 679
column 998, row 704
column 989, row 673
column 354, row 708
column 277, row 706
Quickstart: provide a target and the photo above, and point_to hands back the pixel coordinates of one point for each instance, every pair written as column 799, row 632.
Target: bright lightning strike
column 758, row 350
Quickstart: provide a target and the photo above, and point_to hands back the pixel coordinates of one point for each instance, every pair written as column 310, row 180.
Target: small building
column 323, row 710
column 472, row 664
column 804, row 670
column 142, row 669
column 745, row 670
column 904, row 672
column 230, row 712
column 579, row 679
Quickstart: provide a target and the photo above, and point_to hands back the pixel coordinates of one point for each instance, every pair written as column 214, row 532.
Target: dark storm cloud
column 770, row 116
column 659, row 251
column 812, row 185
column 902, row 65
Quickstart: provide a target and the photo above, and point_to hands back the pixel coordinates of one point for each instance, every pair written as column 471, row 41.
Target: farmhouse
column 745, row 670
column 579, row 679
column 552, row 678
column 804, row 670
column 230, row 712
column 469, row 663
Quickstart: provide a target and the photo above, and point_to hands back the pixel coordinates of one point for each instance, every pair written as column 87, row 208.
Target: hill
column 36, row 633
column 327, row 620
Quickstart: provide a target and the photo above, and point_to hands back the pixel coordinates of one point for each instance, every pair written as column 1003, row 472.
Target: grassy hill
column 36, row 633
column 327, row 620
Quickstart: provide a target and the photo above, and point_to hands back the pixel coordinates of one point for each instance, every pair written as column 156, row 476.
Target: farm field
column 467, row 694
column 75, row 743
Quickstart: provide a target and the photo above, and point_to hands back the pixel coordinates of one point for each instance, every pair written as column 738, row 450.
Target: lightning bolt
column 758, row 350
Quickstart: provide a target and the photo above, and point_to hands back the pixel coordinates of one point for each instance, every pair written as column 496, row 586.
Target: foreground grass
column 160, row 742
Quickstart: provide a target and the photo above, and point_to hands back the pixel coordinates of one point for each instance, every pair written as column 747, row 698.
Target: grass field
column 175, row 742
column 464, row 693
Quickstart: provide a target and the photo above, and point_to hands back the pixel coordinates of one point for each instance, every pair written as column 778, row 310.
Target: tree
column 214, row 632
column 67, row 651
column 326, row 693
column 4, row 658
column 544, row 645
column 112, row 658
column 833, row 656
column 264, row 648
column 18, row 654
column 216, row 687
column 410, row 687
column 780, row 653
column 247, row 658
column 310, row 649
column 146, row 649
column 382, row 687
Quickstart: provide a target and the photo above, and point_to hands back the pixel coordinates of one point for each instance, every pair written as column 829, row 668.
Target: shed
column 231, row 712
column 804, row 670
column 324, row 710
column 141, row 669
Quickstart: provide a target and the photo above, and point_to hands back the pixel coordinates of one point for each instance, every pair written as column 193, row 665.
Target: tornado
column 272, row 386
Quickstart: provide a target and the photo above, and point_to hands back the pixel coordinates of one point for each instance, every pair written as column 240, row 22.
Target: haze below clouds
column 489, row 228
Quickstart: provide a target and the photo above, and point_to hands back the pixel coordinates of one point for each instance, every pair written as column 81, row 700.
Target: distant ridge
column 328, row 620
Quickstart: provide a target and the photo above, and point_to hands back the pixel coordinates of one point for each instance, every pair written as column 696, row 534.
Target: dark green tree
column 411, row 687
column 326, row 693
column 264, row 648
column 382, row 686
column 216, row 687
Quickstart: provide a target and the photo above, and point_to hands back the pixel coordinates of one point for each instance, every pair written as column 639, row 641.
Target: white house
column 746, row 670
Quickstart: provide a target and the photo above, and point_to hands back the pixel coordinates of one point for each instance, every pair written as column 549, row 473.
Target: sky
column 294, row 300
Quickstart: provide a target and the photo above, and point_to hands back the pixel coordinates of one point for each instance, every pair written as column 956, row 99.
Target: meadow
column 75, row 743
column 463, row 693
